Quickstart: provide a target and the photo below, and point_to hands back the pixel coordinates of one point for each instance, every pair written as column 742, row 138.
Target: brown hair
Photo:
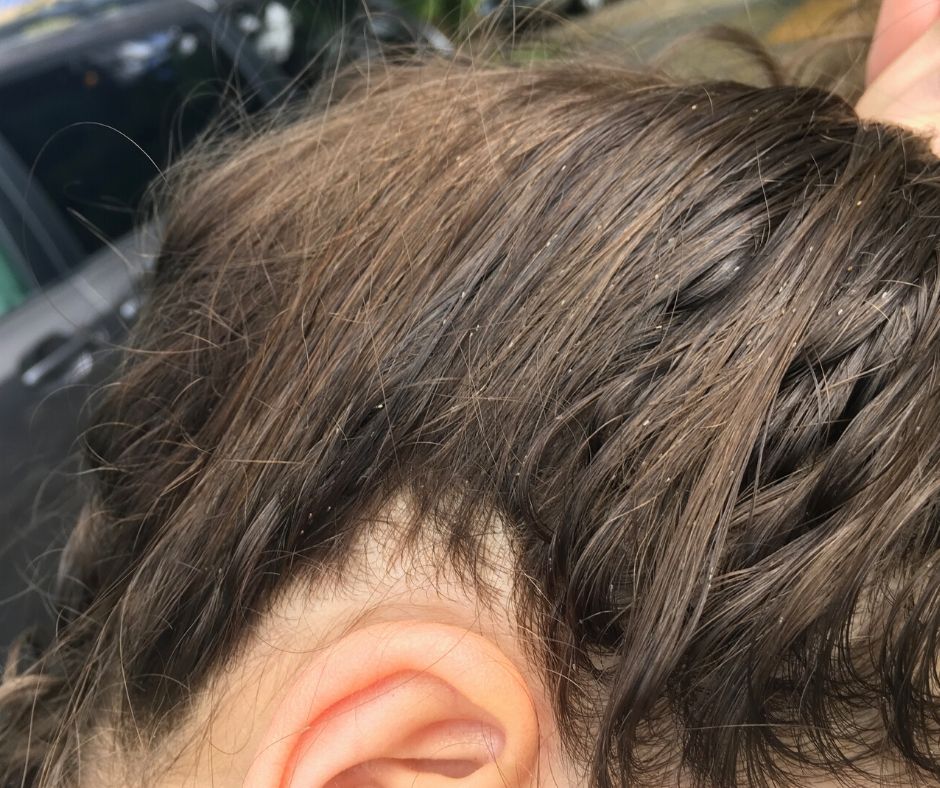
column 682, row 339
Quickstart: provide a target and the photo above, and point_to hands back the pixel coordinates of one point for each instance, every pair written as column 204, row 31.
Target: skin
column 401, row 677
column 396, row 678
column 903, row 74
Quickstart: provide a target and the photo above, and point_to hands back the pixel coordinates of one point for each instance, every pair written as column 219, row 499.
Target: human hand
column 903, row 73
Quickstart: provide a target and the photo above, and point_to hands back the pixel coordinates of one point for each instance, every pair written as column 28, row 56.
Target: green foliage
column 448, row 14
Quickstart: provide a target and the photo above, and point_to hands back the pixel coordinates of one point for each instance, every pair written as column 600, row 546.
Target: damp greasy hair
column 681, row 341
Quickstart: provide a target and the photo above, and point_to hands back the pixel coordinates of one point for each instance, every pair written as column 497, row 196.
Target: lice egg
column 840, row 312
column 646, row 422
column 379, row 406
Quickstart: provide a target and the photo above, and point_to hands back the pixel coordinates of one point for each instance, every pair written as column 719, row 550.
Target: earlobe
column 403, row 704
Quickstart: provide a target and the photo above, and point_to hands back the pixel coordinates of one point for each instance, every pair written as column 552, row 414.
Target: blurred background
column 97, row 97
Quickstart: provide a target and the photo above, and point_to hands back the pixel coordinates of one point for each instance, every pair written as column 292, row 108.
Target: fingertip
column 900, row 24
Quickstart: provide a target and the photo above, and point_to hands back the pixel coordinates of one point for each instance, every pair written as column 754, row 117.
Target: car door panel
column 56, row 348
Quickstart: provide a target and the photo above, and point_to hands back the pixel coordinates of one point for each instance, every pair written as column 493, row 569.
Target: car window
column 97, row 128
column 306, row 39
column 13, row 289
column 289, row 34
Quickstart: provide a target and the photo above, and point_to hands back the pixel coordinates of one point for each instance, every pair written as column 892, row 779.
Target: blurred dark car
column 96, row 97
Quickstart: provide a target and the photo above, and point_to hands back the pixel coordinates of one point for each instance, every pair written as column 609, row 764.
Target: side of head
column 650, row 367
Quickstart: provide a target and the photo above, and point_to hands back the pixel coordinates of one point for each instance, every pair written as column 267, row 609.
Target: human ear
column 415, row 704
